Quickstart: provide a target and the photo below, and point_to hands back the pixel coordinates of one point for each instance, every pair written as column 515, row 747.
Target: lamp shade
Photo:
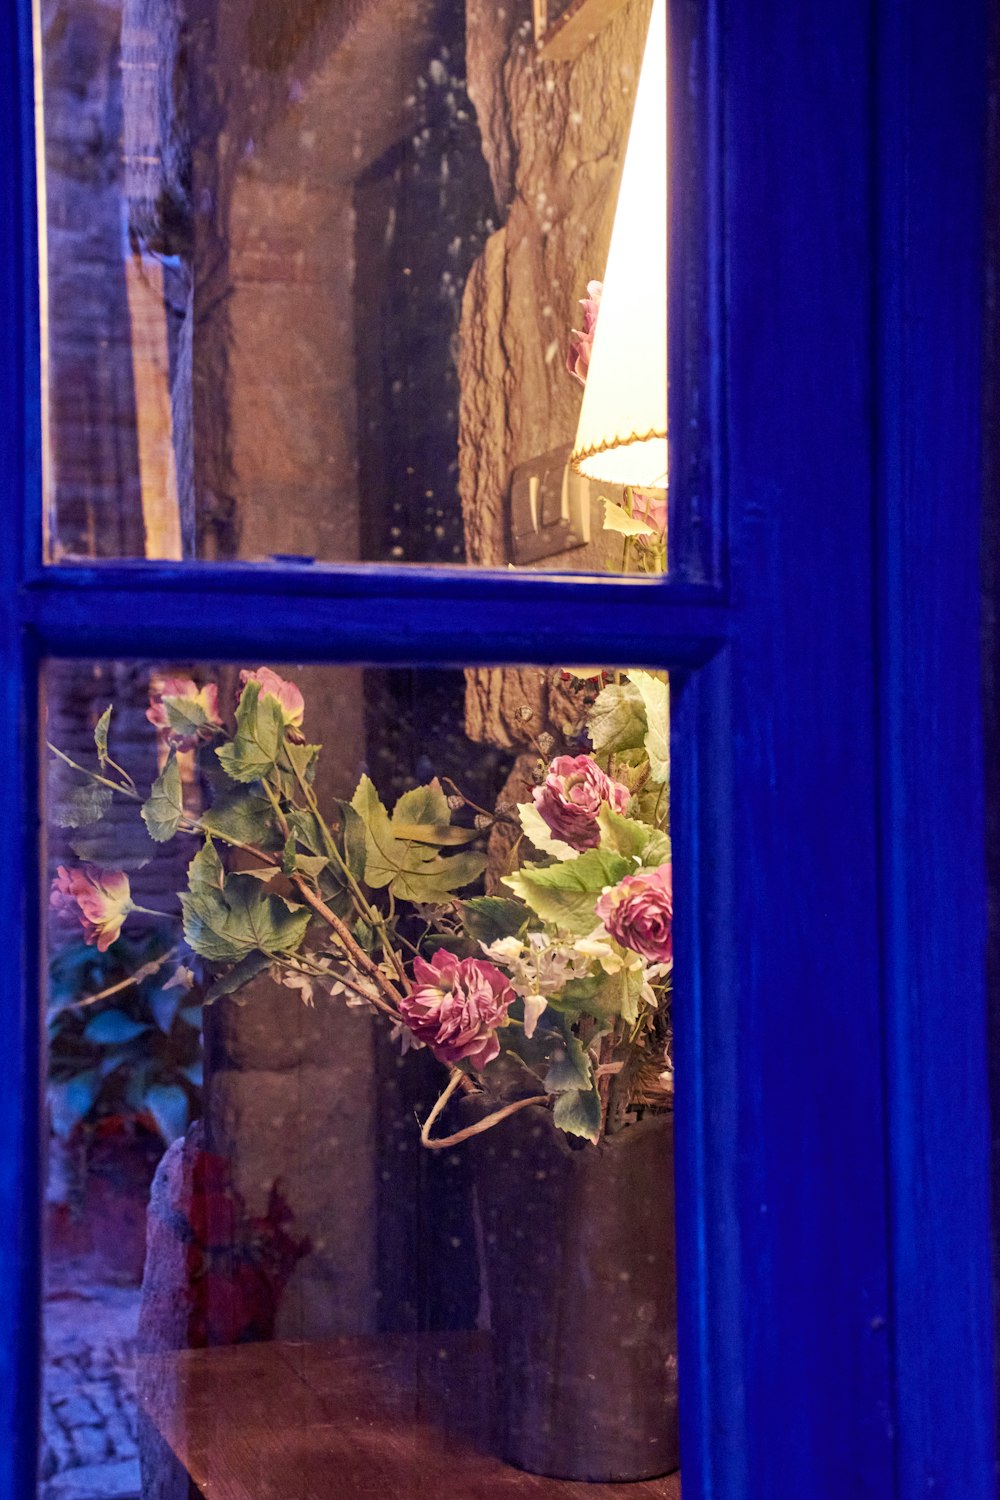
column 622, row 434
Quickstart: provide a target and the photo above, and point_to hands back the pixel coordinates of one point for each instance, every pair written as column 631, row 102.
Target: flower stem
column 457, row 1079
column 353, row 949
column 365, row 910
column 123, row 984
column 126, row 791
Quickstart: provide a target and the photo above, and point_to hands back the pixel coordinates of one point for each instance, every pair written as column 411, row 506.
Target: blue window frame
column 832, row 1108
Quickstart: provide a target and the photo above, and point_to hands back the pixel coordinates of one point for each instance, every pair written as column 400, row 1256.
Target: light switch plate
column 550, row 508
column 563, row 28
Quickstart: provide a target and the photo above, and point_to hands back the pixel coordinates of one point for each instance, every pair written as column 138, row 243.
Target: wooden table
column 396, row 1418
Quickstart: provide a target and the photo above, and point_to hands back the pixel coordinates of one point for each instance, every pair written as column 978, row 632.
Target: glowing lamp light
column 622, row 434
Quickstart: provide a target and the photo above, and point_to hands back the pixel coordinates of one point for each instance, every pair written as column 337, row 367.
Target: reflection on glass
column 359, row 1081
column 313, row 277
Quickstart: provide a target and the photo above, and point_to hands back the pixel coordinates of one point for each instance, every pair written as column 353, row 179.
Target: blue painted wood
column 931, row 135
column 715, row 1284
column 835, row 1165
column 792, row 858
column 698, row 529
column 19, row 988
column 317, row 614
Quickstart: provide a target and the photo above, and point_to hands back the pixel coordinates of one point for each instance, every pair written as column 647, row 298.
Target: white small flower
column 292, row 979
column 407, row 1041
column 505, row 950
column 533, row 1007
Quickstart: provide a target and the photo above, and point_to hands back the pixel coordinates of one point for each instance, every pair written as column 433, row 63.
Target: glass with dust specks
column 320, row 283
column 288, row 987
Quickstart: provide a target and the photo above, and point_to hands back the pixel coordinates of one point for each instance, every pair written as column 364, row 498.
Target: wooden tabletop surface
column 392, row 1417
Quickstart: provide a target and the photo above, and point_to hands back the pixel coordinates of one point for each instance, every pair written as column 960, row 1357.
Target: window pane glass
column 359, row 1083
column 322, row 281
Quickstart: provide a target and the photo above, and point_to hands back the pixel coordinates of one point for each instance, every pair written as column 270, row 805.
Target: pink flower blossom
column 99, row 900
column 457, row 1006
column 639, row 911
column 293, row 704
column 651, row 506
column 582, row 339
column 200, row 701
column 571, row 796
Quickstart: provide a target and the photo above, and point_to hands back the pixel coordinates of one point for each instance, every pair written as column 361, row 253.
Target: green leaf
column 413, row 870
column 112, row 1027
column 619, row 994
column 577, row 996
column 168, row 1104
column 164, row 811
column 354, row 840
column 424, row 804
column 617, row 720
column 293, row 862
column 618, row 519
column 656, row 697
column 435, row 879
column 101, row 736
column 242, row 815
column 302, row 759
column 438, row 834
column 488, row 918
column 383, row 856
column 235, row 978
column 566, row 893
column 205, row 872
column 227, row 917
column 632, row 839
column 82, row 805
column 306, row 828
column 578, row 1112
column 424, row 817
column 570, row 1068
column 538, row 831
column 104, row 848
column 185, row 716
column 259, row 738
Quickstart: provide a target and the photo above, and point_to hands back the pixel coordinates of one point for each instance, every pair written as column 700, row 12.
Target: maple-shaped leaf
column 399, row 851
column 227, row 917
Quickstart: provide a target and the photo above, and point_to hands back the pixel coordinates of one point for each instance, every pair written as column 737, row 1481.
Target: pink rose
column 639, row 912
column 582, row 340
column 293, row 705
column 457, row 1006
column 651, row 507
column 201, row 703
column 571, row 796
column 99, row 900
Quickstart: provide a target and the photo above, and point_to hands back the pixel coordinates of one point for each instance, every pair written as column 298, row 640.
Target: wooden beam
column 574, row 29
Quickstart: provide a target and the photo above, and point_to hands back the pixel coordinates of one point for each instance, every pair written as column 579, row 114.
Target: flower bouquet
column 557, row 982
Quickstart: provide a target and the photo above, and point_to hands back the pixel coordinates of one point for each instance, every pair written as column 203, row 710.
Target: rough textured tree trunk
column 554, row 136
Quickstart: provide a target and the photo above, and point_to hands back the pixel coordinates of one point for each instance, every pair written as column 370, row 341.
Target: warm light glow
column 622, row 435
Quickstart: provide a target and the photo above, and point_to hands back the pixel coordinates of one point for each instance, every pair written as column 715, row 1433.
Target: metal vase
column 577, row 1244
